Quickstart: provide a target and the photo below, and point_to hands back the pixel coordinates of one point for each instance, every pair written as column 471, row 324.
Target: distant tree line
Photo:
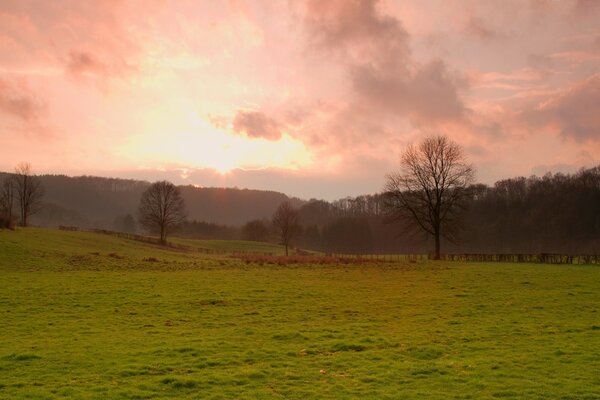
column 554, row 213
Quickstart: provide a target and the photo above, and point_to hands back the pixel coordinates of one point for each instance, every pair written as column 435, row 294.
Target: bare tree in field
column 7, row 199
column 161, row 209
column 28, row 190
column 285, row 223
column 432, row 187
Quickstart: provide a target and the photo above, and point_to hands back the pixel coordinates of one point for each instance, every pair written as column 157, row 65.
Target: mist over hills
column 95, row 202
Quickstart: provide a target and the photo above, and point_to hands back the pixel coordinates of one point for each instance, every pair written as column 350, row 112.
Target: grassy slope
column 86, row 326
column 231, row 245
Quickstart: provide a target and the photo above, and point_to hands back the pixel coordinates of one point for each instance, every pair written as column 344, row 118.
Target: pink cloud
column 18, row 101
column 572, row 111
column 256, row 124
column 81, row 62
column 382, row 81
column 480, row 29
column 428, row 94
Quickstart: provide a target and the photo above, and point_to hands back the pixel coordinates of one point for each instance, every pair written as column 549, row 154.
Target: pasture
column 89, row 316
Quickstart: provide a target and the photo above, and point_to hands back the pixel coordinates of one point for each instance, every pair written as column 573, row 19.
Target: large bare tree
column 28, row 190
column 431, row 189
column 161, row 209
column 286, row 225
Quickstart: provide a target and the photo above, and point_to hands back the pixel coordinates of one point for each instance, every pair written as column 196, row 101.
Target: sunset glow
column 314, row 94
column 191, row 142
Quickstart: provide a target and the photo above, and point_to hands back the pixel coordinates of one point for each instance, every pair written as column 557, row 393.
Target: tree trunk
column 286, row 249
column 437, row 246
column 162, row 235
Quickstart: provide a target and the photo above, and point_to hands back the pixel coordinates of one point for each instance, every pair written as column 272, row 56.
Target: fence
column 541, row 258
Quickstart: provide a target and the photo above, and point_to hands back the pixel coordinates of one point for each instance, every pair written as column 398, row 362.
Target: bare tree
column 29, row 192
column 431, row 188
column 7, row 198
column 285, row 223
column 161, row 209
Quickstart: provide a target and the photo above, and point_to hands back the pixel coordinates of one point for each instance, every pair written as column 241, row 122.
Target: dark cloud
column 428, row 94
column 81, row 62
column 86, row 64
column 19, row 102
column 256, row 124
column 573, row 111
column 357, row 28
column 382, row 75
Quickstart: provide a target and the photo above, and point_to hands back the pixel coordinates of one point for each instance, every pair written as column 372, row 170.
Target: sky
column 315, row 98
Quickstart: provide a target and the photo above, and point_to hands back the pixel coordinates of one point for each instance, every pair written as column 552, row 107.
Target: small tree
column 431, row 188
column 29, row 192
column 161, row 209
column 285, row 224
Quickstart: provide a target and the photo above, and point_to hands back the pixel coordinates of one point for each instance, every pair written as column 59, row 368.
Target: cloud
column 571, row 111
column 356, row 28
column 575, row 56
column 373, row 47
column 86, row 39
column 81, row 62
column 349, row 79
column 377, row 90
column 427, row 94
column 18, row 101
column 256, row 124
column 479, row 28
column 586, row 7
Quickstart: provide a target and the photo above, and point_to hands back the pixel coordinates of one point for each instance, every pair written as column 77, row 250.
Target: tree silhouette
column 285, row 223
column 29, row 192
column 161, row 209
column 431, row 188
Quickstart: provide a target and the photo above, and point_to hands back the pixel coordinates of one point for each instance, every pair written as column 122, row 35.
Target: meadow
column 90, row 316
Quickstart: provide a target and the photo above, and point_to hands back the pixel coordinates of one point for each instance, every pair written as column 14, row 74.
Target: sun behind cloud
column 195, row 143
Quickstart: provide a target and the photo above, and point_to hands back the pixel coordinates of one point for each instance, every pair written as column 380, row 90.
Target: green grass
column 79, row 323
column 244, row 246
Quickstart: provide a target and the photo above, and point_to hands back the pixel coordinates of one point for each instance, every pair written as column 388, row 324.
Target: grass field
column 87, row 316
column 231, row 246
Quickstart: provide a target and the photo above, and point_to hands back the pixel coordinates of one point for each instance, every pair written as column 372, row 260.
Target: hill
column 89, row 201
